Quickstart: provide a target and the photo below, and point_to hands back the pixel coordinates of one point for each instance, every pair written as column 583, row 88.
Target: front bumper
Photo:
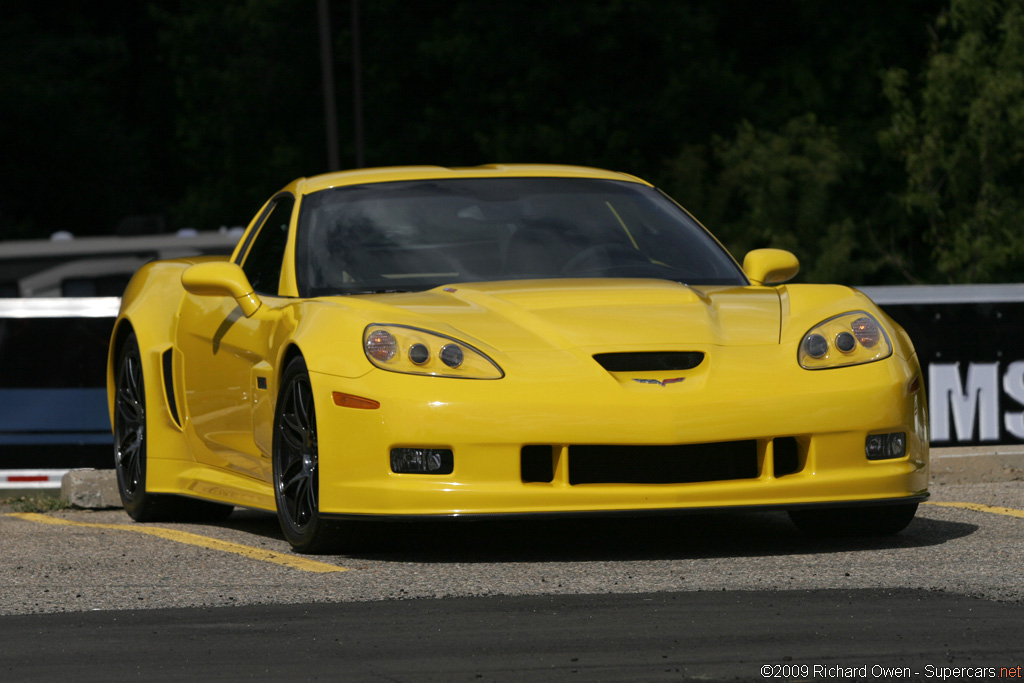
column 822, row 419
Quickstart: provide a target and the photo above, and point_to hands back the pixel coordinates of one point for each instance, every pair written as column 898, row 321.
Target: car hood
column 592, row 313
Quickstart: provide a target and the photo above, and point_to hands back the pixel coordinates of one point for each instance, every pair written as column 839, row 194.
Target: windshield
column 416, row 235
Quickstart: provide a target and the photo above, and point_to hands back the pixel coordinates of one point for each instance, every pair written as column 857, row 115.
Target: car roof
column 397, row 173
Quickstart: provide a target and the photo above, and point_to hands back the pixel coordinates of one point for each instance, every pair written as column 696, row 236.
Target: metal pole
column 327, row 72
column 357, row 85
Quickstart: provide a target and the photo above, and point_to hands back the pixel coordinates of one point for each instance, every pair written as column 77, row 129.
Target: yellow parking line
column 978, row 507
column 292, row 561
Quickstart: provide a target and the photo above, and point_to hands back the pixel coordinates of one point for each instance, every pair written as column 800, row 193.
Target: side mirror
column 770, row 266
column 221, row 278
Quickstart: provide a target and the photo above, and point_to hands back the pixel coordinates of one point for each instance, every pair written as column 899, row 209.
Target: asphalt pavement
column 827, row 635
column 966, row 541
column 90, row 595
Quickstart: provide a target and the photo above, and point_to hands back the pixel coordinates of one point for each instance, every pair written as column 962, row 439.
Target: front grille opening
column 537, row 464
column 663, row 464
column 649, row 361
column 787, row 456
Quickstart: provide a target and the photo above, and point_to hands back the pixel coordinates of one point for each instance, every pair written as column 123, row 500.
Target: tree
column 200, row 110
column 72, row 159
column 782, row 189
column 248, row 105
column 958, row 134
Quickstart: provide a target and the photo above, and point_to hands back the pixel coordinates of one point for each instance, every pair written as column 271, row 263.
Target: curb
column 97, row 489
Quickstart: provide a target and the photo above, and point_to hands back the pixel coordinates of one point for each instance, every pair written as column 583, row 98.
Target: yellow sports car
column 427, row 342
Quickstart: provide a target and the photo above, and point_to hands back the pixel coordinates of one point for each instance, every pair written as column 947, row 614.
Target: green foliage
column 35, row 503
column 784, row 189
column 803, row 170
column 959, row 139
column 605, row 83
column 777, row 189
column 201, row 110
column 61, row 76
column 246, row 92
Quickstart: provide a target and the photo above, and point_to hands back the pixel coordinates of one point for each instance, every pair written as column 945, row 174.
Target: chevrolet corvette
column 422, row 343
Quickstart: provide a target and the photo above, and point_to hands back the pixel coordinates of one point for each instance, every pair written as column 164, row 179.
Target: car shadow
column 711, row 534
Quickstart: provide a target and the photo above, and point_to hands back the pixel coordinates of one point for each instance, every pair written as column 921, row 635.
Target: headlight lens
column 848, row 339
column 399, row 348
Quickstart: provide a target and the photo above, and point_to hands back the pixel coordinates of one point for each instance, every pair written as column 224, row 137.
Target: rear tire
column 867, row 520
column 130, row 438
column 296, row 464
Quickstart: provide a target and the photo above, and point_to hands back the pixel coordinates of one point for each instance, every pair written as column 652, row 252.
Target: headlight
column 418, row 352
column 847, row 339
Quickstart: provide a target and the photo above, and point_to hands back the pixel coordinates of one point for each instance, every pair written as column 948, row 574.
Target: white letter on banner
column 1013, row 385
column 947, row 392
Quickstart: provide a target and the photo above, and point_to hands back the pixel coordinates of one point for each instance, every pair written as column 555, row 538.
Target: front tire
column 868, row 520
column 296, row 464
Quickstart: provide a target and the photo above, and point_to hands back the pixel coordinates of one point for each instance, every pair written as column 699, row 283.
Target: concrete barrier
column 91, row 489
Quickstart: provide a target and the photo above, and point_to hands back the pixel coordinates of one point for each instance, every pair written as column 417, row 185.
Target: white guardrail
column 53, row 413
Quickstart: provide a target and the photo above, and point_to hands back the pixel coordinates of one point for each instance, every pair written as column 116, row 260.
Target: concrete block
column 92, row 489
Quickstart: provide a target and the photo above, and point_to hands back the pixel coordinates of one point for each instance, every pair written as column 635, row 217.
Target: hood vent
column 649, row 361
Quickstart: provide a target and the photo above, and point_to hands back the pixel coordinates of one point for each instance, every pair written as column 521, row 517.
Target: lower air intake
column 663, row 464
column 649, row 361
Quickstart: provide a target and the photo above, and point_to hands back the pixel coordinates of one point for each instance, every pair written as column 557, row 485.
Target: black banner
column 53, row 397
column 970, row 341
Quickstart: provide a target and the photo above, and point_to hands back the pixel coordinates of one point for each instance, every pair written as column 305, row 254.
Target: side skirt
column 184, row 478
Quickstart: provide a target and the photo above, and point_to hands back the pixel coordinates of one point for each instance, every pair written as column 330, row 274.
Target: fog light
column 897, row 445
column 422, row 461
column 885, row 446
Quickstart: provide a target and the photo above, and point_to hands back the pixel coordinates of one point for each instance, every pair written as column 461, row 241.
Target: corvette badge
column 661, row 382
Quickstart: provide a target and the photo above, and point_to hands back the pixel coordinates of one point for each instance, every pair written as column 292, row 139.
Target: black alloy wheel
column 296, row 463
column 130, row 456
column 130, row 433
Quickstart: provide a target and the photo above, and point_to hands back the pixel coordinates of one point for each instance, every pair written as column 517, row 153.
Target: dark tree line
column 878, row 141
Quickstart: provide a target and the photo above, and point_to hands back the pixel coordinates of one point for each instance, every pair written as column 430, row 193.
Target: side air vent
column 649, row 361
column 168, row 358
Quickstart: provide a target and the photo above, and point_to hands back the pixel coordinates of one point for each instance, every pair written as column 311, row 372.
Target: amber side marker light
column 350, row 401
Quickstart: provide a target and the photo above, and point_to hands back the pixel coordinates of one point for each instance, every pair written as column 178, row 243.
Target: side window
column 262, row 263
